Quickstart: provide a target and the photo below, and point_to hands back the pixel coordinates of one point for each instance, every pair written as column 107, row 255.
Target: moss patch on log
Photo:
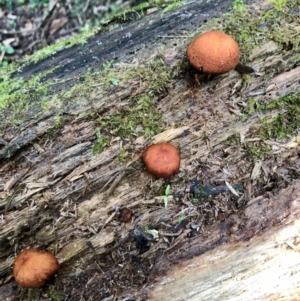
column 251, row 29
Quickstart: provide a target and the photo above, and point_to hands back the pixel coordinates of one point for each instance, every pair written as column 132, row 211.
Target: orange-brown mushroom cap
column 213, row 52
column 162, row 160
column 125, row 215
column 32, row 268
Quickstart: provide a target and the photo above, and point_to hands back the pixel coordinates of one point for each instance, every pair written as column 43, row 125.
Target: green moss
column 239, row 5
column 250, row 150
column 53, row 295
column 287, row 122
column 172, row 6
column 126, row 16
column 100, row 143
column 19, row 98
column 139, row 118
column 256, row 150
column 233, row 140
column 279, row 4
column 33, row 294
column 253, row 105
column 252, row 28
column 123, row 156
column 154, row 75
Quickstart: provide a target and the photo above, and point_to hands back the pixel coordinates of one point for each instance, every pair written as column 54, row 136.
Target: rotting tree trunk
column 264, row 268
column 58, row 196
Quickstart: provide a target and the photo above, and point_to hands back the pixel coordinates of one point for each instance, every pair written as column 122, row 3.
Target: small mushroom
column 162, row 160
column 125, row 215
column 32, row 268
column 215, row 52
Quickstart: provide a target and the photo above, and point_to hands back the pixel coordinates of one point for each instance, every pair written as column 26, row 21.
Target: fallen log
column 70, row 161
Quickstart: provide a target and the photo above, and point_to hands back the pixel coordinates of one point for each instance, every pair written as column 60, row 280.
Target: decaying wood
column 263, row 268
column 60, row 196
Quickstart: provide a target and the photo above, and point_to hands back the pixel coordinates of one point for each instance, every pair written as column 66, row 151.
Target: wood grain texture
column 58, row 195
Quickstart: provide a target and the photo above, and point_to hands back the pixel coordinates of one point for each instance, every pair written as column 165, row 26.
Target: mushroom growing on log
column 162, row 160
column 215, row 52
column 32, row 268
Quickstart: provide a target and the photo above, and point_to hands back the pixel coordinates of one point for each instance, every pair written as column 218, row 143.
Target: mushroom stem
column 243, row 69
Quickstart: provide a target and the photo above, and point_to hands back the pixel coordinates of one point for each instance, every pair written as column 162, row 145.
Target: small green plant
column 195, row 201
column 167, row 192
column 115, row 81
column 5, row 49
column 180, row 219
column 8, row 49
